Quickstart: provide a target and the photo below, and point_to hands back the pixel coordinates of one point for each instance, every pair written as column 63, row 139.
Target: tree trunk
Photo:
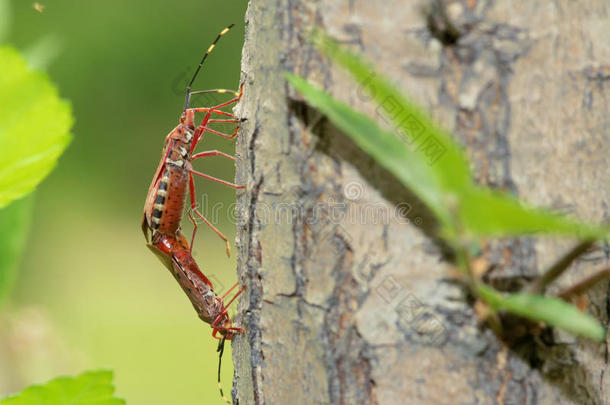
column 348, row 297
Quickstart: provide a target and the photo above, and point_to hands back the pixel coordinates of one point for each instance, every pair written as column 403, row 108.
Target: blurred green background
column 89, row 293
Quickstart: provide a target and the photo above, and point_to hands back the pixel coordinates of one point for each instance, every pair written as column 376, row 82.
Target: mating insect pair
column 166, row 200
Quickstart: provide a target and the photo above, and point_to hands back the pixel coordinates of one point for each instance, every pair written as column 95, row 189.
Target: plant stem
column 584, row 285
column 557, row 269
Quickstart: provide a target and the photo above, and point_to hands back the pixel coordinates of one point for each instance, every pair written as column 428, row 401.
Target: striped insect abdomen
column 171, row 189
column 169, row 202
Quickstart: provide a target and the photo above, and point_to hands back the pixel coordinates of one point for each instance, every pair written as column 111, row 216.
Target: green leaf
column 89, row 388
column 5, row 19
column 428, row 161
column 412, row 126
column 34, row 125
column 425, row 158
column 43, row 51
column 486, row 212
column 550, row 310
column 15, row 225
column 383, row 146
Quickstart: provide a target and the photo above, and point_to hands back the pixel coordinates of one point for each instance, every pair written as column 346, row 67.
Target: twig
column 557, row 269
column 584, row 285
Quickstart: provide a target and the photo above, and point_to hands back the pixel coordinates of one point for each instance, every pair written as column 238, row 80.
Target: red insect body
column 165, row 205
column 175, row 254
column 167, row 192
column 163, row 213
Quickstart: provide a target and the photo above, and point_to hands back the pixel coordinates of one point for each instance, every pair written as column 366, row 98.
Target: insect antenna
column 188, row 88
column 220, row 350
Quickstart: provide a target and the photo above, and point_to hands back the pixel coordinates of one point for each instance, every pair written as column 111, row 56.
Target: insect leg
column 216, row 107
column 208, row 153
column 230, row 331
column 219, row 91
column 225, row 121
column 226, row 136
column 200, row 215
column 207, row 176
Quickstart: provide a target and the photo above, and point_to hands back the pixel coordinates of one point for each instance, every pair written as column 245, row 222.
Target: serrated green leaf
column 428, row 161
column 550, row 310
column 34, row 125
column 89, row 388
column 15, row 224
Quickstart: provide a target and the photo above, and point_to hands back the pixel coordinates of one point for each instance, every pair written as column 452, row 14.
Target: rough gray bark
column 348, row 299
